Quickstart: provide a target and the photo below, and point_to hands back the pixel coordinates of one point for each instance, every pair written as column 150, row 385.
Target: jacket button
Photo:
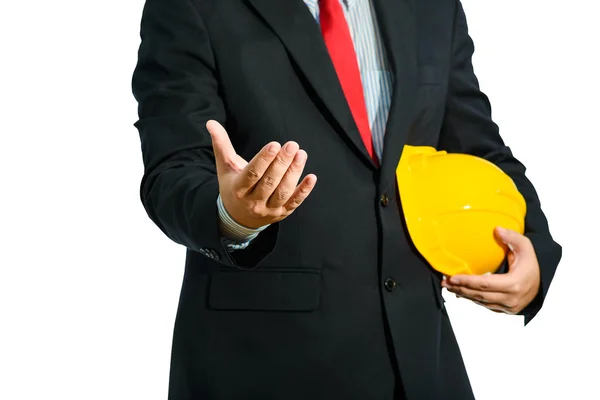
column 384, row 200
column 389, row 284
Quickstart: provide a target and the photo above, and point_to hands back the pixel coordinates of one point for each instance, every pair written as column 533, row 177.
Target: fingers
column 225, row 156
column 273, row 175
column 501, row 283
column 495, row 292
column 301, row 193
column 486, row 299
column 256, row 168
column 507, row 293
column 515, row 241
column 288, row 183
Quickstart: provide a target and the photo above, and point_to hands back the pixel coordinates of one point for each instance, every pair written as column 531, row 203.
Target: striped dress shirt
column 377, row 81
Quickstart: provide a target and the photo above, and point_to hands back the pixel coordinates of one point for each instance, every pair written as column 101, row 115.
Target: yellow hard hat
column 452, row 203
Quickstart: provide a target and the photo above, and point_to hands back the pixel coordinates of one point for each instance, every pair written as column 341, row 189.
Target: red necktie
column 341, row 49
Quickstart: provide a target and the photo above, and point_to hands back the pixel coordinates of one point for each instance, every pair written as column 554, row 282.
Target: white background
column 89, row 286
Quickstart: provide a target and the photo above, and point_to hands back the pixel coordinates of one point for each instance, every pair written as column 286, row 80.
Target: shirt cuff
column 233, row 231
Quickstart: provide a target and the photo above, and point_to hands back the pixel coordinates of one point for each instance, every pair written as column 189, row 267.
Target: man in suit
column 298, row 290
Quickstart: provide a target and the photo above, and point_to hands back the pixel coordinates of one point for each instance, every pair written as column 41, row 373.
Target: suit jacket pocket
column 268, row 289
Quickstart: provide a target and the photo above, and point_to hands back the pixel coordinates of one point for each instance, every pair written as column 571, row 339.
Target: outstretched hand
column 264, row 190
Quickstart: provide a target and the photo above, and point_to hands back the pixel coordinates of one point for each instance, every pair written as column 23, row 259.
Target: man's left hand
column 507, row 293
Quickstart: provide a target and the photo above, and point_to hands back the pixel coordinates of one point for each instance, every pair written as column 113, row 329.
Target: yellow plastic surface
column 452, row 203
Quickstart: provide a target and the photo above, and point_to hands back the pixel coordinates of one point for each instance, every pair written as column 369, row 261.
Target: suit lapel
column 293, row 23
column 397, row 22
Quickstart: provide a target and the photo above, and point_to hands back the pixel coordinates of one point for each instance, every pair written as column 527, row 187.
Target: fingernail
column 272, row 149
column 301, row 157
column 291, row 148
column 454, row 281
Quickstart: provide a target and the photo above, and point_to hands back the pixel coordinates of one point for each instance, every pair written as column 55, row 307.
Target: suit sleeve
column 175, row 84
column 468, row 128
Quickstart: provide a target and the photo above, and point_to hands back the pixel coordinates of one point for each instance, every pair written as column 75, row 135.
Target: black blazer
column 333, row 302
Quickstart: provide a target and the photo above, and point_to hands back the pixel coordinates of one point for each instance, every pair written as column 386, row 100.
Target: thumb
column 225, row 154
column 514, row 240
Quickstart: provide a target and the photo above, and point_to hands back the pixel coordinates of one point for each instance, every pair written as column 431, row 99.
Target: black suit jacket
column 305, row 311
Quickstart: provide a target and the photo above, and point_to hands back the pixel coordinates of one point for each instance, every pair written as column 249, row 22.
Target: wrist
column 233, row 229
